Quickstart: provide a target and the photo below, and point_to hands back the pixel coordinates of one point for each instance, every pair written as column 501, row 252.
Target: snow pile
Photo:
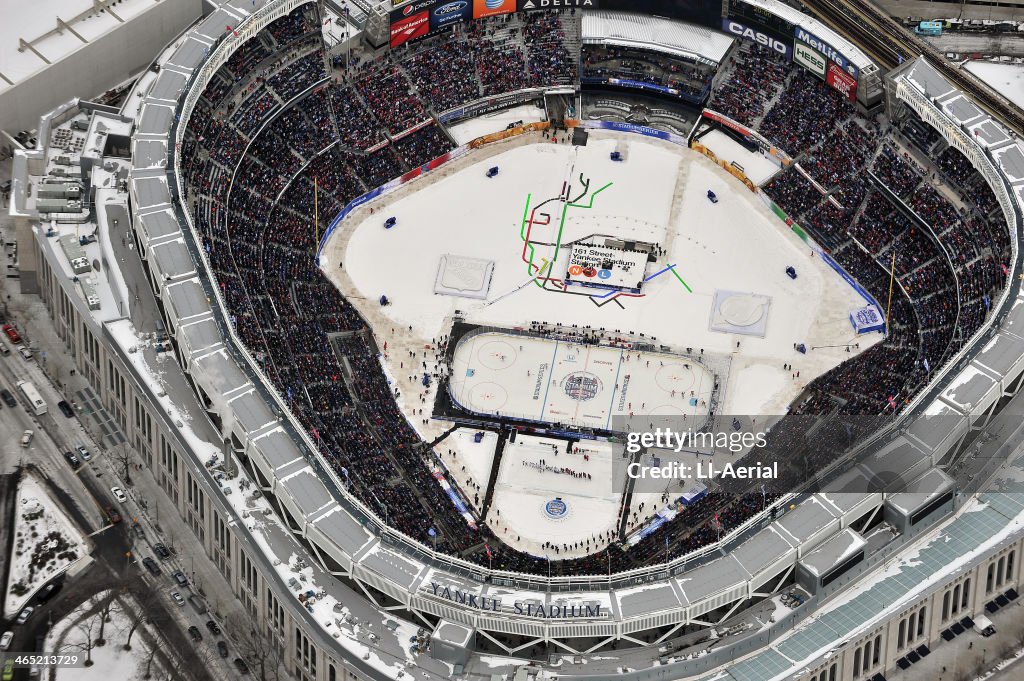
column 46, row 544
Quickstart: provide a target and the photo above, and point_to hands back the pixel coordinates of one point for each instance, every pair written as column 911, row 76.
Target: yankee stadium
column 509, row 339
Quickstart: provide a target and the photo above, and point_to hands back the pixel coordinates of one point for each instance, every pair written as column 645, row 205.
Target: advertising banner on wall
column 759, row 36
column 809, row 58
column 841, row 80
column 827, row 50
column 532, row 5
column 444, row 14
column 406, row 28
column 488, row 8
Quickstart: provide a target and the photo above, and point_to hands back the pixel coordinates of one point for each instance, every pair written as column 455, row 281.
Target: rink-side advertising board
column 603, row 267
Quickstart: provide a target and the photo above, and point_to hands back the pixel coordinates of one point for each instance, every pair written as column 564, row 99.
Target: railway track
column 889, row 44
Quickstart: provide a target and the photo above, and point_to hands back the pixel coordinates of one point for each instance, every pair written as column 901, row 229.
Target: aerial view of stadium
column 511, row 340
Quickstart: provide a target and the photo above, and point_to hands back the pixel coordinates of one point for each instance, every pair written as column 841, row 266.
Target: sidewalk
column 970, row 655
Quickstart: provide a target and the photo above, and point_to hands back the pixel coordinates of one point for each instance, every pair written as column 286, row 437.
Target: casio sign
column 757, row 37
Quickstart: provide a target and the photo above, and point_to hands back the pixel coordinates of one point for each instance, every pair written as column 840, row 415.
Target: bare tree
column 104, row 616
column 146, row 663
column 87, row 627
column 261, row 649
column 142, row 608
column 123, row 457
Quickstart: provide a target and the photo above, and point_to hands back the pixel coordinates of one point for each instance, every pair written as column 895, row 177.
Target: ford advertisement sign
column 733, row 27
column 827, row 50
column 448, row 13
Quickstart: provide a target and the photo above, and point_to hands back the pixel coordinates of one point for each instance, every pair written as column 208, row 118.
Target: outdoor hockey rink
column 583, row 386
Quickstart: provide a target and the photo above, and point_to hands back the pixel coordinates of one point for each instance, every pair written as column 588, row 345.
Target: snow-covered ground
column 494, row 122
column 756, row 166
column 110, row 661
column 1006, row 79
column 658, row 194
column 46, row 543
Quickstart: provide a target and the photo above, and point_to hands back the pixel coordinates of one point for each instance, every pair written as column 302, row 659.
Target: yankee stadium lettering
column 481, row 602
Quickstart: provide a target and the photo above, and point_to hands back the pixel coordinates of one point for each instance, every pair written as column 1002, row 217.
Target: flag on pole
column 487, row 548
column 892, row 402
column 232, row 31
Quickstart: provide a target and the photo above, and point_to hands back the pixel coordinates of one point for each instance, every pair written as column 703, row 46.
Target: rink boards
column 545, row 380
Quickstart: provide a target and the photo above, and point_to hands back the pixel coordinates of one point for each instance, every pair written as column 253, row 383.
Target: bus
column 35, row 402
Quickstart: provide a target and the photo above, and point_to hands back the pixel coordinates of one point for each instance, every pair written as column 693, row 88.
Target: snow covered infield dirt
column 518, row 221
column 546, row 202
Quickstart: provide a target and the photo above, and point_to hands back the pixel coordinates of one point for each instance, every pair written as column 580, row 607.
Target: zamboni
column 390, row 222
column 712, row 197
column 492, row 171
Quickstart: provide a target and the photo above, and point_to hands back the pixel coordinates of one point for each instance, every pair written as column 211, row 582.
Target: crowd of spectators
column 806, row 112
column 261, row 241
column 896, row 171
column 754, row 76
column 691, row 79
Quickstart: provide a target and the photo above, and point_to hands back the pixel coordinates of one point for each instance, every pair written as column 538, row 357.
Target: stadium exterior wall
column 179, row 132
column 98, row 65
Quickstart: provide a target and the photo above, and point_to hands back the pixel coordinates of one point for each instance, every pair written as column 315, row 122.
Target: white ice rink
column 550, row 381
column 657, row 194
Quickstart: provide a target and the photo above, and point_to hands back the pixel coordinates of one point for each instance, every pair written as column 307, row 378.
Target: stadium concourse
column 251, row 180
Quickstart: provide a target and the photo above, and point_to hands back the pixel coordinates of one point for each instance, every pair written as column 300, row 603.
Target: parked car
column 12, row 334
column 194, row 632
column 241, row 666
column 65, row 409
column 24, row 615
column 8, row 397
column 113, row 515
column 212, row 626
column 5, row 640
column 178, row 598
column 151, row 565
column 24, row 352
column 119, row 495
column 84, row 453
column 222, row 648
column 161, row 551
column 26, row 438
column 48, row 592
column 138, row 529
column 180, row 578
column 73, row 460
column 4, row 350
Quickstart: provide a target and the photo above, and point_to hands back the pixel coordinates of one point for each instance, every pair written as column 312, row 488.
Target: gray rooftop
column 648, row 599
column 172, row 259
column 928, row 79
column 833, row 552
column 187, row 299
